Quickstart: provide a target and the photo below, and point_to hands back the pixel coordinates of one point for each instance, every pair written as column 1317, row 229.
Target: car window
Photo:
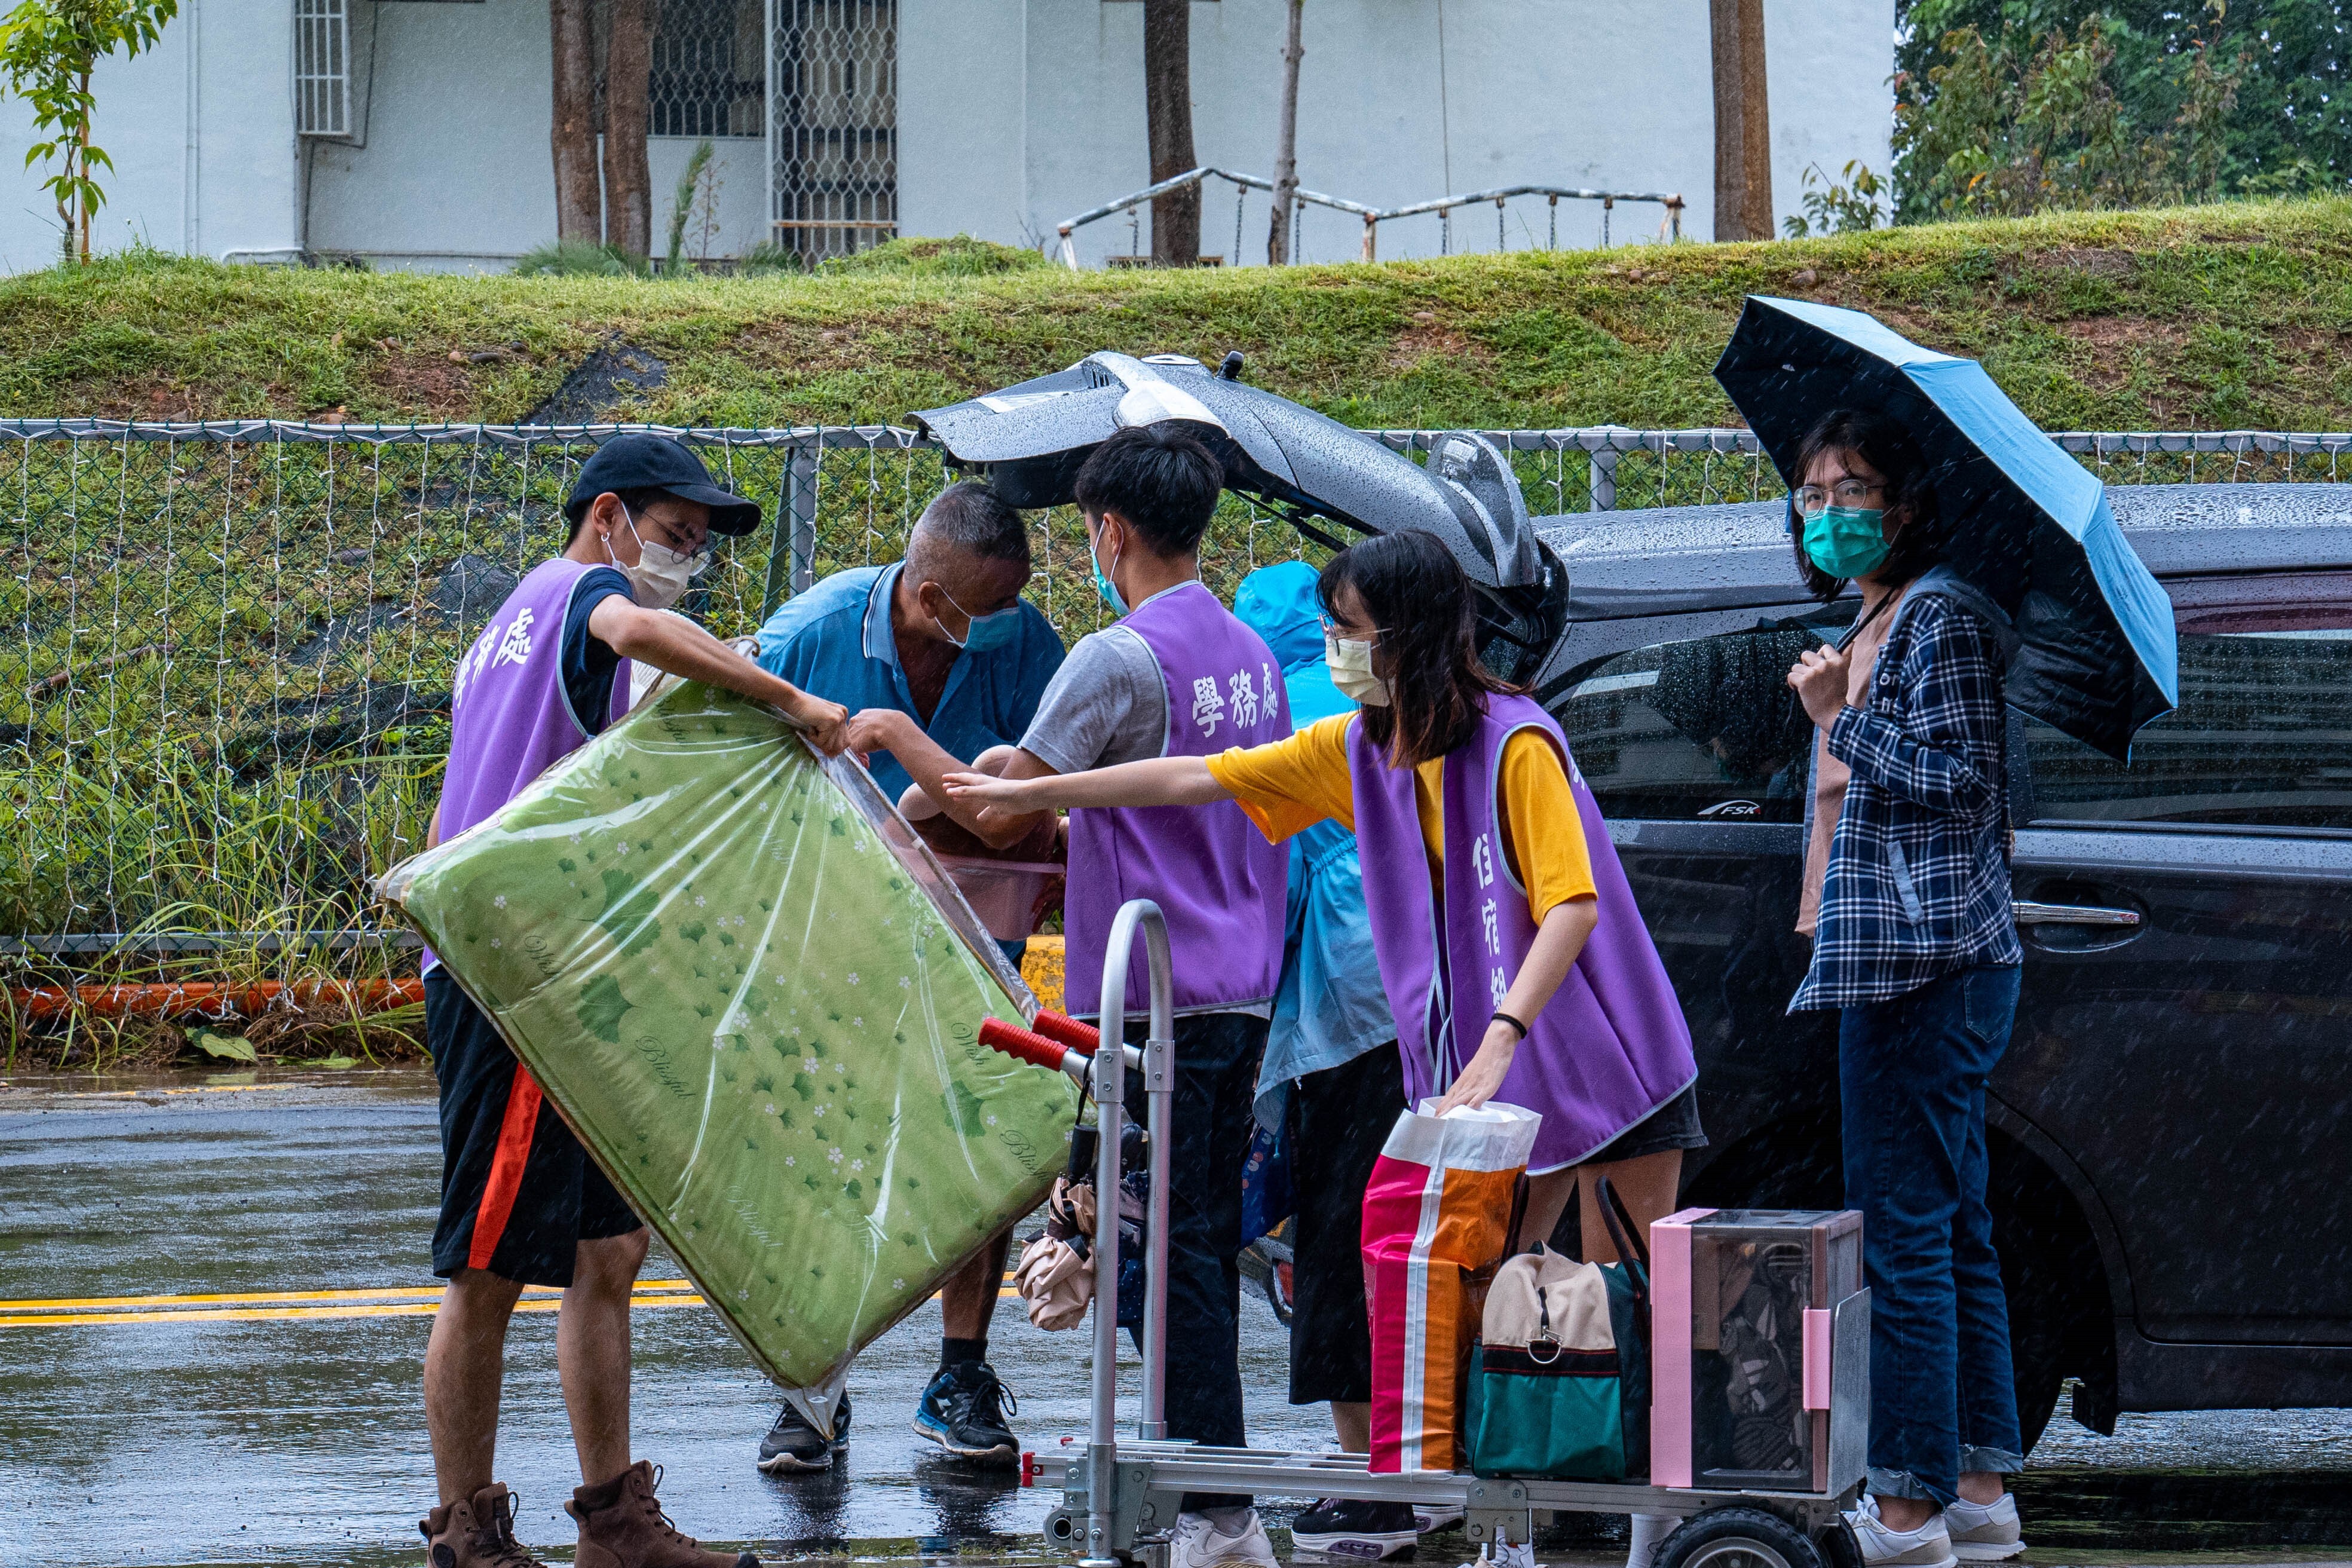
column 2262, row 737
column 1700, row 727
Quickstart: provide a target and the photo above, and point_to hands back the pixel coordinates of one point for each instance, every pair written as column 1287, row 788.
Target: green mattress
column 745, row 984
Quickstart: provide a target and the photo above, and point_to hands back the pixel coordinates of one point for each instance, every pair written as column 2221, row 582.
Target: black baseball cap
column 643, row 462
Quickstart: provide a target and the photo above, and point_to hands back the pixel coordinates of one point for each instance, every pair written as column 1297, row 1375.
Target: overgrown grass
column 2215, row 316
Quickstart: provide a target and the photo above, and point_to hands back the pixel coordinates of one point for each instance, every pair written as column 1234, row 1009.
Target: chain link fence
column 226, row 648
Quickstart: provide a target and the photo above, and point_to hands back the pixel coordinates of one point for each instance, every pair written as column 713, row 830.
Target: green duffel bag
column 1558, row 1379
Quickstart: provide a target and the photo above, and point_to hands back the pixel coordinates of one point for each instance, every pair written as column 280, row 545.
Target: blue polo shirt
column 834, row 642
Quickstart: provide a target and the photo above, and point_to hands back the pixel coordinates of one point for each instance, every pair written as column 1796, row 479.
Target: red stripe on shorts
column 505, row 1179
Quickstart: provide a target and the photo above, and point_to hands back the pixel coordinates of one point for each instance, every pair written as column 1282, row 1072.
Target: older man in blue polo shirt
column 940, row 655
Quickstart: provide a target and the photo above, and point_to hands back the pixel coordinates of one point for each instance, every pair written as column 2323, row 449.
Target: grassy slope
column 2224, row 316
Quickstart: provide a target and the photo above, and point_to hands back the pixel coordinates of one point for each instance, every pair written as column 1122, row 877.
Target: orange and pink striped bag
column 1438, row 1211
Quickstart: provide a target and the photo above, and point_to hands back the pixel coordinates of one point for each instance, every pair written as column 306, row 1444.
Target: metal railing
column 1374, row 217
column 225, row 647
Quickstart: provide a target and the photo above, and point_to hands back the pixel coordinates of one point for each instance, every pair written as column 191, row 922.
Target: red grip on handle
column 1083, row 1038
column 1015, row 1041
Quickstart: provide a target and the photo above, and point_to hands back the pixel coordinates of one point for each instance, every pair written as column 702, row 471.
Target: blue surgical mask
column 985, row 634
column 1104, row 585
column 1847, row 541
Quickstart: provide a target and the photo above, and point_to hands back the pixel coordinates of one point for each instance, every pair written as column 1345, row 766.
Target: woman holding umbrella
column 1906, row 896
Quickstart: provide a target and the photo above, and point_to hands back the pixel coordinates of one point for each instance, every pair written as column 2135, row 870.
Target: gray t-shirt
column 1107, row 704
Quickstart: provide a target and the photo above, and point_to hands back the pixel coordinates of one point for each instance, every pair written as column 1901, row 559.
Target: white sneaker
column 1504, row 1554
column 1199, row 1543
column 1929, row 1546
column 1646, row 1533
column 1429, row 1518
column 1984, row 1532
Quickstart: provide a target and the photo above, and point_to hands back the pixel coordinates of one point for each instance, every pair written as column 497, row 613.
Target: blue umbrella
column 2026, row 523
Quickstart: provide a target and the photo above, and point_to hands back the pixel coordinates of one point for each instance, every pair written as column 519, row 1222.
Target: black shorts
column 518, row 1193
column 1673, row 1125
column 1340, row 1117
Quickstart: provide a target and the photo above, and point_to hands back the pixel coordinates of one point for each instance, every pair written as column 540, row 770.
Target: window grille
column 834, row 146
column 705, row 69
column 322, row 67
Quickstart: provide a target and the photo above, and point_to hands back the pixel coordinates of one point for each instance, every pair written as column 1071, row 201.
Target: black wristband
column 1503, row 1017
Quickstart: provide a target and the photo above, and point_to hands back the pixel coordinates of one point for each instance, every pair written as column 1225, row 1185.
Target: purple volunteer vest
column 1611, row 1048
column 509, row 716
column 1220, row 885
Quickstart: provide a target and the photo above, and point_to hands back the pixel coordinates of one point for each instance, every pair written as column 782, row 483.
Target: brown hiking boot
column 475, row 1533
column 621, row 1526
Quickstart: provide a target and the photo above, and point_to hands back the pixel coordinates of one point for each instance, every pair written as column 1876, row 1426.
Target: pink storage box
column 1760, row 1335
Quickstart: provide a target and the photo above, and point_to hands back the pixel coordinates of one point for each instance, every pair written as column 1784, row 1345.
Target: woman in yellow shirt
column 1514, row 957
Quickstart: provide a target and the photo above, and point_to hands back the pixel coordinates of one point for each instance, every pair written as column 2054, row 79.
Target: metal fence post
column 795, row 549
column 1604, row 479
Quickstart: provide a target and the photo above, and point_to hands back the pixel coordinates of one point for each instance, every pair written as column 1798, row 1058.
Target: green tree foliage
column 1849, row 205
column 2017, row 106
column 47, row 50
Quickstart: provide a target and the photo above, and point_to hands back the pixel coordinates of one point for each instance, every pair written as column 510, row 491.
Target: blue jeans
column 1911, row 1081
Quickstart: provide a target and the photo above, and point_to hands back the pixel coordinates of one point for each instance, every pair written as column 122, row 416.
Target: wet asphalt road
column 137, row 1434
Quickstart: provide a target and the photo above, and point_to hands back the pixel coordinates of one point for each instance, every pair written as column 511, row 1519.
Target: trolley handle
column 1083, row 1038
column 1025, row 1045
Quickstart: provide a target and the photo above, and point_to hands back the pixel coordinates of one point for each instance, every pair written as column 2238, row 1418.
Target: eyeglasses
column 1814, row 500
column 1332, row 628
column 671, row 538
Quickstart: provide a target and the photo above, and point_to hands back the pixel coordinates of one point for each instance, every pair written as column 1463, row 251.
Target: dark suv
column 2172, row 1157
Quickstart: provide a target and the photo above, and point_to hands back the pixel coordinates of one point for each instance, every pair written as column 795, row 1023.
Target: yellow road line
column 86, row 1303
column 260, row 1314
column 266, row 1306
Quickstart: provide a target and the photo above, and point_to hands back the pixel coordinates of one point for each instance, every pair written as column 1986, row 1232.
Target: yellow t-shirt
column 1292, row 784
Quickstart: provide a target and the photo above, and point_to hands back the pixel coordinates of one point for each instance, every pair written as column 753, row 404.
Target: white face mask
column 1351, row 663
column 659, row 578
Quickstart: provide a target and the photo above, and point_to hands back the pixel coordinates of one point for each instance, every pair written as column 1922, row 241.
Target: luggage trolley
column 1120, row 1499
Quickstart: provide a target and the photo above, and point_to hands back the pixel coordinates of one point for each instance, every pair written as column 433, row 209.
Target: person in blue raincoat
column 1332, row 1067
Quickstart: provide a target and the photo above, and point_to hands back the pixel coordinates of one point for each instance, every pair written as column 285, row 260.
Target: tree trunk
column 82, row 167
column 1168, row 115
column 578, row 205
column 628, row 77
column 1281, row 245
column 1743, row 124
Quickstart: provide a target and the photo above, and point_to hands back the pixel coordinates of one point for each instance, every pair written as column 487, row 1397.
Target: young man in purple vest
column 1178, row 676
column 521, row 1202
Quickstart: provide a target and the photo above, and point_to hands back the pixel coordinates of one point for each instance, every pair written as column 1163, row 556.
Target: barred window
column 322, row 67
column 835, row 184
column 707, row 76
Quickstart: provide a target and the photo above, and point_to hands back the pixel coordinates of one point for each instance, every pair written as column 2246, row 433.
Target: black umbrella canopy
column 1031, row 438
column 2025, row 524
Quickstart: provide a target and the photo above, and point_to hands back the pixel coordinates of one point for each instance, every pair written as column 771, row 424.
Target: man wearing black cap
column 521, row 1202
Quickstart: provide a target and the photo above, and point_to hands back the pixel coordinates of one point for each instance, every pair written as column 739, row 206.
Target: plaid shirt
column 1918, row 873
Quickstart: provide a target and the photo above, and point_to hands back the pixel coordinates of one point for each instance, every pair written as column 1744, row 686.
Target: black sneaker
column 1355, row 1531
column 961, row 1413
column 793, row 1447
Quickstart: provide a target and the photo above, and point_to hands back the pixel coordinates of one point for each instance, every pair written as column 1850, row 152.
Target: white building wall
column 1808, row 49
column 1013, row 115
column 201, row 131
column 456, row 171
column 1400, row 100
column 963, row 116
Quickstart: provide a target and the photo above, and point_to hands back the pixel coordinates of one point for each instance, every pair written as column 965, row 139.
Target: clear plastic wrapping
column 750, row 989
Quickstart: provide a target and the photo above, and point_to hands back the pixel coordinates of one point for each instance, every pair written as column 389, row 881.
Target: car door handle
column 2029, row 913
